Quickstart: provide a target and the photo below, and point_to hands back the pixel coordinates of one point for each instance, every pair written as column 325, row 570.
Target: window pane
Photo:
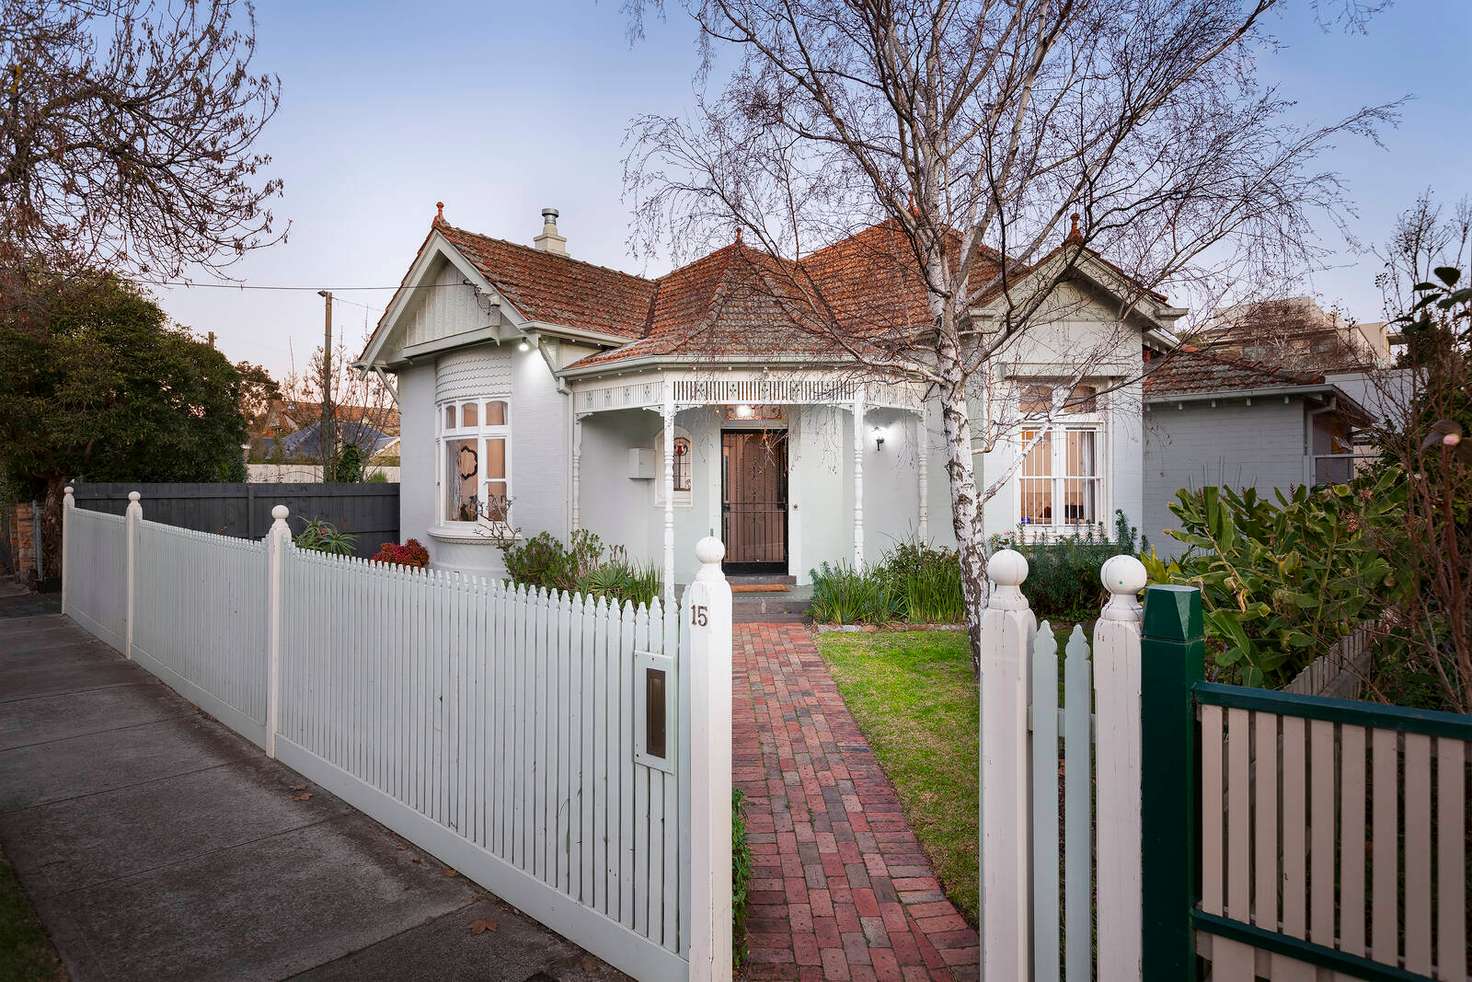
column 496, row 413
column 1037, row 501
column 1080, row 452
column 496, row 458
column 1035, row 399
column 462, row 480
column 1080, row 506
column 1083, row 399
column 498, row 505
column 1039, row 462
column 449, row 417
column 682, row 464
column 470, row 414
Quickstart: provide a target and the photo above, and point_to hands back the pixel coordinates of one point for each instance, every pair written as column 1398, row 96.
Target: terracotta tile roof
column 1189, row 370
column 557, row 289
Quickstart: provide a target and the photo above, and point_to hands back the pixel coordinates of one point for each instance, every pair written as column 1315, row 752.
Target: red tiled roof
column 545, row 286
column 1189, row 370
column 736, row 301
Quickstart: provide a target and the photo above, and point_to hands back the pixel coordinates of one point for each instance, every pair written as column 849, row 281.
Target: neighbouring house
column 1298, row 332
column 542, row 393
column 1214, row 419
column 290, row 432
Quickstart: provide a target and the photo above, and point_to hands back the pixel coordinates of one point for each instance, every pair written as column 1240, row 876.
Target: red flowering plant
column 411, row 553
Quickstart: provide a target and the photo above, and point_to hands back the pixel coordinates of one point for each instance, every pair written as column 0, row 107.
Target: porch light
column 879, row 435
column 744, row 411
column 523, row 346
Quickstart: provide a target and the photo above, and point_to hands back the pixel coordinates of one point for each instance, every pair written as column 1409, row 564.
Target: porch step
column 759, row 579
column 787, row 607
column 760, row 587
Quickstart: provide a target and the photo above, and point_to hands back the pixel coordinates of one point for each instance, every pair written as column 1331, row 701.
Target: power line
column 314, row 289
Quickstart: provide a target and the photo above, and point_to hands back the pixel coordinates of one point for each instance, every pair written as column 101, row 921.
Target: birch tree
column 1004, row 142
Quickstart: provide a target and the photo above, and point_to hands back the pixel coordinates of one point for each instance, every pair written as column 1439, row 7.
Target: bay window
column 475, row 461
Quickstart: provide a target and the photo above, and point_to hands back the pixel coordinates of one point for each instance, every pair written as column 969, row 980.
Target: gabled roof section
column 544, row 286
column 1188, row 370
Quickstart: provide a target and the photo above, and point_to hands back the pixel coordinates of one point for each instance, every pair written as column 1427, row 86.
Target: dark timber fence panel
column 368, row 511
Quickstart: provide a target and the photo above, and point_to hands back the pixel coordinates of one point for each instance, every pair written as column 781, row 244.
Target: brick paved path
column 841, row 888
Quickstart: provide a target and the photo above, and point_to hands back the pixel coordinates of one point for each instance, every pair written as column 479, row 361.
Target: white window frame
column 480, row 433
column 1058, row 475
column 685, row 498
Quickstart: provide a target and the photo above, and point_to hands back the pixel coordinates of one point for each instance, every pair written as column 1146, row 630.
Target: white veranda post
column 922, row 453
column 858, row 411
column 1007, row 630
column 667, row 413
column 577, row 465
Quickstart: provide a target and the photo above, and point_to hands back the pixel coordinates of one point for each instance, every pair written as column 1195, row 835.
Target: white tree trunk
column 966, row 502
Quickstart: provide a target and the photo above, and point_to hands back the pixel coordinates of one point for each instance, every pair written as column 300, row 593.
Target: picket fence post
column 277, row 539
column 1172, row 661
column 1007, row 630
column 1117, row 747
column 67, row 504
column 131, row 517
column 708, row 613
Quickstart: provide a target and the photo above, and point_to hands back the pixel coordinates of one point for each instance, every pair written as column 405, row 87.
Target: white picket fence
column 571, row 755
column 98, row 601
column 1040, row 890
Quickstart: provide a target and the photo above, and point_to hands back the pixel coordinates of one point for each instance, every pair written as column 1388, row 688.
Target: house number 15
column 698, row 615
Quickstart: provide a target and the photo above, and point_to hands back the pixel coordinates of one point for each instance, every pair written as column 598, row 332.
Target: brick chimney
column 549, row 240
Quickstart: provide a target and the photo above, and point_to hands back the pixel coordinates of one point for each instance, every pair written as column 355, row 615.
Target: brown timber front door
column 754, row 499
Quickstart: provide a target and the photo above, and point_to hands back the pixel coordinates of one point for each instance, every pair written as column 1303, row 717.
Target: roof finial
column 439, row 211
column 738, row 234
column 1074, row 235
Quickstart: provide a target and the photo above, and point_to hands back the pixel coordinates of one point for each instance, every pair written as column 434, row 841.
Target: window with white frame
column 684, row 465
column 475, row 460
column 1060, row 481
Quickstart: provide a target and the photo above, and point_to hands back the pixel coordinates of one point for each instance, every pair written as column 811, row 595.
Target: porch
column 789, row 470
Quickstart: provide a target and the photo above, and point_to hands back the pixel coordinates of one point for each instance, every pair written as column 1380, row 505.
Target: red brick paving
column 840, row 887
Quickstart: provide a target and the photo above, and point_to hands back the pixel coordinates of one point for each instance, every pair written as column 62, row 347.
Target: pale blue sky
column 501, row 109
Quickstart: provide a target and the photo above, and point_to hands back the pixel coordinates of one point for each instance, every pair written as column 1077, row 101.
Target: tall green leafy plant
column 1282, row 581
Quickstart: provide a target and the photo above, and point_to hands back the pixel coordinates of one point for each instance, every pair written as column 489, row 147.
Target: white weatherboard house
column 553, row 394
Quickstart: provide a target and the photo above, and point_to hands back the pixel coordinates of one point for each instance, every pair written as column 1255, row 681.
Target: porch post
column 577, row 459
column 922, row 447
column 858, row 410
column 668, row 413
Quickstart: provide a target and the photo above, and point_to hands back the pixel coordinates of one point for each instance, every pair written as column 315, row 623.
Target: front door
column 754, row 499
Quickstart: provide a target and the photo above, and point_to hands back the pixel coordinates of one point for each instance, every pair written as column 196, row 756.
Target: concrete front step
column 759, row 578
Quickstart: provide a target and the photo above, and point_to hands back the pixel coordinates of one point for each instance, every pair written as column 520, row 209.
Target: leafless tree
column 975, row 128
column 127, row 135
column 1426, row 235
column 361, row 404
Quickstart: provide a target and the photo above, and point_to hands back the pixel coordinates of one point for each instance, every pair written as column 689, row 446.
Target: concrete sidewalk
column 156, row 844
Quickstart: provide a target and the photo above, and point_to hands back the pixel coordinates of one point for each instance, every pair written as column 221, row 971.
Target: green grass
column 26, row 954
column 915, row 699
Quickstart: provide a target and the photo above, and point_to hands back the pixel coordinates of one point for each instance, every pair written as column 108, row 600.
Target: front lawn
column 915, row 699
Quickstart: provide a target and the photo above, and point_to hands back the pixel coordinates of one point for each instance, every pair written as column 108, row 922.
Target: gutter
column 1263, row 393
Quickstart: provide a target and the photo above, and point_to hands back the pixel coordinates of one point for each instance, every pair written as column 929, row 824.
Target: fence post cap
column 134, row 496
column 1007, row 568
column 710, row 551
column 280, row 513
column 1173, row 612
column 1124, row 577
column 68, row 491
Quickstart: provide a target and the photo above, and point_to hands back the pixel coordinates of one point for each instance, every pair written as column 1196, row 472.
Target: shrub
column 844, row 595
column 584, row 565
column 1281, row 583
column 913, row 582
column 1063, row 572
column 740, row 876
column 322, row 536
column 411, row 553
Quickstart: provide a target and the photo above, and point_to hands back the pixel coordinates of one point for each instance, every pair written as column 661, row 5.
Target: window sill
column 467, row 535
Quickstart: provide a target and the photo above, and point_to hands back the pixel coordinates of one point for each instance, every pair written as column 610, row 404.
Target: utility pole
column 328, row 435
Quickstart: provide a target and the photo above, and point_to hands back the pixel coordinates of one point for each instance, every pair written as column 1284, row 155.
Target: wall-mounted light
column 523, row 346
column 743, row 411
column 879, row 434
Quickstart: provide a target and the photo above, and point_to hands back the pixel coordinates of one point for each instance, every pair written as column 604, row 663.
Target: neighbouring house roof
column 305, row 444
column 382, row 418
column 1191, row 370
